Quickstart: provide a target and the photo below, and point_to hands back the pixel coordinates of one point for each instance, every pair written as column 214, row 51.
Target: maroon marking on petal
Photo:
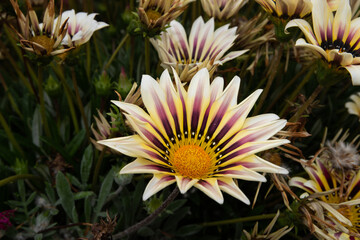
column 166, row 178
column 162, row 114
column 156, row 156
column 182, row 44
column 173, row 50
column 318, row 180
column 326, row 174
column 172, row 108
column 309, row 189
column 196, row 109
column 152, row 138
column 184, row 111
column 238, row 153
column 355, row 190
column 194, row 47
column 156, row 167
column 205, row 184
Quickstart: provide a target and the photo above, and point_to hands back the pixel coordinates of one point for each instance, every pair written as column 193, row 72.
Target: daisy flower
column 335, row 38
column 44, row 38
column 354, row 106
column 205, row 47
column 197, row 138
column 344, row 196
column 286, row 9
column 222, row 9
column 81, row 27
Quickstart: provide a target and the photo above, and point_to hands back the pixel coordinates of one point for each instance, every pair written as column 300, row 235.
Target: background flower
column 354, row 106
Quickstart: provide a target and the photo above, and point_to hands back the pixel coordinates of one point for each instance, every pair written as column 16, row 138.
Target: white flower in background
column 354, row 106
column 205, row 47
column 222, row 9
column 81, row 27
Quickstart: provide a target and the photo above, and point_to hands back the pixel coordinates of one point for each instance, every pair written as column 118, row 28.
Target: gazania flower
column 222, row 9
column 155, row 14
column 204, row 49
column 286, row 9
column 41, row 38
column 200, row 137
column 334, row 38
column 81, row 27
column 354, row 106
column 341, row 192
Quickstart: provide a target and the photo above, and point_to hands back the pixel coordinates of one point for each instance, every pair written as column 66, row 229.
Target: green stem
column 18, row 177
column 69, row 98
column 303, row 108
column 10, row 135
column 116, row 51
column 12, row 101
column 297, row 90
column 42, row 101
column 147, row 55
column 237, row 220
column 97, row 167
column 79, row 102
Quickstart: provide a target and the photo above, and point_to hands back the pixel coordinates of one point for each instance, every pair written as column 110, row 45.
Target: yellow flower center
column 191, row 161
column 153, row 15
column 350, row 212
column 44, row 41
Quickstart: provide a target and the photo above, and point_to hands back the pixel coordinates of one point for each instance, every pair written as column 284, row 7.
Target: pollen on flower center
column 153, row 15
column 191, row 161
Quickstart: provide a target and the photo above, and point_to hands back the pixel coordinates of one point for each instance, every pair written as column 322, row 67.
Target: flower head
column 354, row 106
column 222, row 9
column 81, row 27
column 5, row 219
column 41, row 38
column 335, row 38
column 156, row 14
column 204, row 49
column 200, row 137
column 286, row 9
column 341, row 192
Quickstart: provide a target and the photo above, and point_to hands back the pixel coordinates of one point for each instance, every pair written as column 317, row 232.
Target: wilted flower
column 102, row 132
column 267, row 234
column 81, row 27
column 343, row 155
column 335, row 38
column 222, row 9
column 286, row 9
column 41, row 38
column 204, row 49
column 105, row 228
column 200, row 137
column 335, row 192
column 156, row 14
column 354, row 106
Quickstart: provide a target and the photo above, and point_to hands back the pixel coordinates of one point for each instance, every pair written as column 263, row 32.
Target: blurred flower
column 286, row 9
column 41, row 38
column 102, row 132
column 267, row 235
column 5, row 219
column 81, row 27
column 335, row 38
column 222, row 9
column 156, row 14
column 354, row 106
column 339, row 195
column 200, row 137
column 334, row 4
column 204, row 49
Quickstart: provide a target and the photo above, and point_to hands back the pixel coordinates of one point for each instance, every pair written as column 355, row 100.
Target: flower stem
column 303, row 108
column 10, row 135
column 116, row 51
column 237, row 220
column 42, row 101
column 148, row 219
column 97, row 167
column 60, row 74
column 147, row 55
column 18, row 177
column 80, row 104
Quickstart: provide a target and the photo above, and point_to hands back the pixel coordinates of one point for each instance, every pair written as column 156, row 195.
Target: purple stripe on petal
column 196, row 109
column 238, row 153
column 355, row 190
column 152, row 139
column 303, row 185
column 162, row 114
column 172, row 108
column 156, row 167
column 156, row 156
column 184, row 111
column 173, row 50
column 219, row 116
column 326, row 174
column 194, row 47
column 183, row 44
column 318, row 180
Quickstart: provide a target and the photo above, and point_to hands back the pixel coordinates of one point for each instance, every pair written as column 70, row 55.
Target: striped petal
column 314, row 48
column 157, row 183
column 185, row 183
column 239, row 172
column 211, row 188
column 256, row 163
column 341, row 25
column 230, row 187
column 141, row 165
column 305, row 28
column 322, row 21
column 303, row 184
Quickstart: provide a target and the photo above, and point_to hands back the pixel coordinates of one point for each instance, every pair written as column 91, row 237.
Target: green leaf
column 75, row 143
column 49, row 190
column 86, row 164
column 38, row 236
column 83, row 194
column 87, row 208
column 66, row 196
column 74, row 181
column 188, row 230
column 104, row 192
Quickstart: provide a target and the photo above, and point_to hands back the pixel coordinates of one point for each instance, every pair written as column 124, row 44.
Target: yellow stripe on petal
column 141, row 165
column 341, row 24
